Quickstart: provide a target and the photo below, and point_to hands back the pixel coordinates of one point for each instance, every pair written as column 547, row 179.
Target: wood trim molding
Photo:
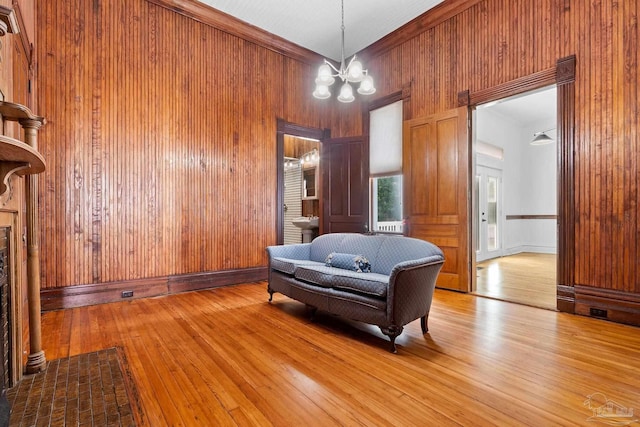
column 102, row 293
column 622, row 307
column 215, row 279
column 565, row 298
column 464, row 98
column 284, row 127
column 383, row 101
column 566, row 177
column 209, row 16
column 514, row 87
column 512, row 217
column 566, row 70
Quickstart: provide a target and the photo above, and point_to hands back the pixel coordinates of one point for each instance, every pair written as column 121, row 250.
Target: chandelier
column 351, row 73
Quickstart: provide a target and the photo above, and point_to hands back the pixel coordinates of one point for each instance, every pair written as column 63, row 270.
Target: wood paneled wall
column 160, row 143
column 496, row 41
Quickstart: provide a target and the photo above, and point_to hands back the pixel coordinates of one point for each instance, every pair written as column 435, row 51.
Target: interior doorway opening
column 299, row 190
column 514, row 218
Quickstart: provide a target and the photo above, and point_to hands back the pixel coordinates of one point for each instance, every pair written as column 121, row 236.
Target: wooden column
column 36, row 361
column 30, row 123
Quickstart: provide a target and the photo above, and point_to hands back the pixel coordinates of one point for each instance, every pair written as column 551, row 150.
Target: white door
column 488, row 187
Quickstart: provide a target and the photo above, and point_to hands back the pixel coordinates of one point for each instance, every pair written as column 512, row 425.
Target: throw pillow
column 357, row 263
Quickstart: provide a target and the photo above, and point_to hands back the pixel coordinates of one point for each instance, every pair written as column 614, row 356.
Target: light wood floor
column 227, row 357
column 525, row 278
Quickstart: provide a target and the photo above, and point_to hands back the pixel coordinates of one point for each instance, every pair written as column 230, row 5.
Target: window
column 387, row 204
column 385, row 168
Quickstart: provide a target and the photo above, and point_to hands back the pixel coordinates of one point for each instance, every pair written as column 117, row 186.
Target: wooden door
column 345, row 185
column 436, row 176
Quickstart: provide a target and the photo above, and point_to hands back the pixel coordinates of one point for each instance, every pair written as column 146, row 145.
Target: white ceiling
column 315, row 25
column 528, row 109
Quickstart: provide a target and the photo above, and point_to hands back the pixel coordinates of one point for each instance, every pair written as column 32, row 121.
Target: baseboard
column 565, row 299
column 197, row 281
column 102, row 293
column 617, row 306
column 529, row 248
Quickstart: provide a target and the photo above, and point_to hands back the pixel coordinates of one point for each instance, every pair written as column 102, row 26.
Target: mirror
column 309, row 183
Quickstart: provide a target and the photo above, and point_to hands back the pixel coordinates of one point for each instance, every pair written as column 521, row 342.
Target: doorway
column 301, row 187
column 298, row 150
column 515, row 198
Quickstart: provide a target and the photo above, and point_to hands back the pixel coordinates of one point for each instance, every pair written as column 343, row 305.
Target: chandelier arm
column 333, row 67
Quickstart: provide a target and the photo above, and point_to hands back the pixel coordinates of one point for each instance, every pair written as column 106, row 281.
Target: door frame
column 563, row 76
column 288, row 128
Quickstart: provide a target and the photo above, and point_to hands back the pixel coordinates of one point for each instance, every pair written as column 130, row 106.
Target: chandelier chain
column 342, row 46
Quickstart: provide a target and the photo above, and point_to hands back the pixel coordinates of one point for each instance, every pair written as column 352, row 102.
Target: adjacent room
column 338, row 213
column 515, row 204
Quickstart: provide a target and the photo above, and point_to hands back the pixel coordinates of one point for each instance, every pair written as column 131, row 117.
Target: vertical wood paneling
column 497, row 41
column 160, row 142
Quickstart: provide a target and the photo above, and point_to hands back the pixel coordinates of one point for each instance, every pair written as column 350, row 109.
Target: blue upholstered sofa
column 386, row 281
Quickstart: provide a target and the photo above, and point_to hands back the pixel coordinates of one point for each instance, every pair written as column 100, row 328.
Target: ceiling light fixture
column 351, row 73
column 541, row 138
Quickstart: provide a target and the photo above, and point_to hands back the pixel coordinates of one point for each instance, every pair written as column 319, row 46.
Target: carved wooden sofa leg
column 423, row 323
column 392, row 332
column 271, row 292
column 312, row 312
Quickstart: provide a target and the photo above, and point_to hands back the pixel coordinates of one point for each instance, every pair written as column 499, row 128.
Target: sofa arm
column 411, row 287
column 416, row 263
column 295, row 251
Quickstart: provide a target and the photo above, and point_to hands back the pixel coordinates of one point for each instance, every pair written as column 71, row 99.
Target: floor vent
column 598, row 312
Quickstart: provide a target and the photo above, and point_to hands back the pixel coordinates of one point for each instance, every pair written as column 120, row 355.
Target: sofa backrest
column 382, row 251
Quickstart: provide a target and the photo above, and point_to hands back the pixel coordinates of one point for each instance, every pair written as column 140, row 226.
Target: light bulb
column 366, row 86
column 324, row 75
column 322, row 92
column 346, row 93
column 354, row 73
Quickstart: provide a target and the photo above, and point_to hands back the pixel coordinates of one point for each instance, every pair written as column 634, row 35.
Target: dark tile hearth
column 89, row 389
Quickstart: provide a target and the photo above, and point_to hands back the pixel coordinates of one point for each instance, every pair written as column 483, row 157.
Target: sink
column 306, row 223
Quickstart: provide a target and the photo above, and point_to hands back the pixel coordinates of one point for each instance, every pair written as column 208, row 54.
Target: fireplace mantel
column 19, row 158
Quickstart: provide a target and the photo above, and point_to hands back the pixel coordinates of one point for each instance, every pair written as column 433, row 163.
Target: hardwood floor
column 228, row 357
column 524, row 278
